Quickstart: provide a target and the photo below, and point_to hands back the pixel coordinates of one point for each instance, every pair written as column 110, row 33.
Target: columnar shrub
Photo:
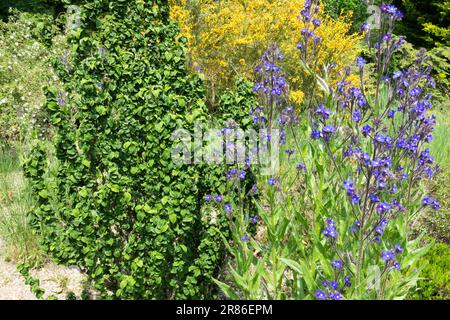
column 110, row 199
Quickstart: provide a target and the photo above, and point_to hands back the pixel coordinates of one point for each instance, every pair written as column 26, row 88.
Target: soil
column 55, row 280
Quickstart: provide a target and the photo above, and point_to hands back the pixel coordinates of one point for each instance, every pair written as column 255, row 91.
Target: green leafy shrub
column 358, row 8
column 435, row 282
column 110, row 198
column 440, row 58
column 426, row 22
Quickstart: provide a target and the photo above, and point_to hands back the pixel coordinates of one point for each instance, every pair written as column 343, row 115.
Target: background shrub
column 358, row 8
column 227, row 39
column 435, row 282
column 426, row 23
column 25, row 69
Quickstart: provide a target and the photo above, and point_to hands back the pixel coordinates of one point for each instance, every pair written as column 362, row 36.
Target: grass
column 437, row 224
column 440, row 146
column 440, row 149
column 20, row 243
column 9, row 160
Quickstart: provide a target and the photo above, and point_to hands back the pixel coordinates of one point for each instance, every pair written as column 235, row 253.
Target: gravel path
column 56, row 280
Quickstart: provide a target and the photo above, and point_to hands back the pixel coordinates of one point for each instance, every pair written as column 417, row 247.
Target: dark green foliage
column 435, row 284
column 111, row 200
column 34, row 283
column 47, row 7
column 420, row 12
column 71, row 296
column 335, row 8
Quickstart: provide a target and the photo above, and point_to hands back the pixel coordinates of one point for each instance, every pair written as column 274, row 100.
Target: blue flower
column 336, row 296
column 208, row 198
column 379, row 230
column 387, row 37
column 334, row 285
column 364, row 27
column 321, row 295
column 397, row 266
column 383, row 223
column 337, row 264
column 382, row 207
column 398, row 248
column 381, row 184
column 316, row 22
column 348, row 185
column 366, row 130
column 436, row 205
column 241, row 175
column 315, row 134
column 387, row 255
column 356, row 116
column 427, row 201
column 329, row 129
column 324, row 112
column 380, row 138
column 347, row 281
column 415, row 92
column 245, row 238
column 258, row 86
column 391, row 113
column 218, row 198
column 290, row 152
column 355, row 199
column 397, row 74
column 360, row 62
column 331, row 223
column 228, row 208
column 376, row 163
column 330, row 232
column 271, row 181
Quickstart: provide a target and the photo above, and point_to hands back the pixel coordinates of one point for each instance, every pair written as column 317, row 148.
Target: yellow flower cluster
column 227, row 38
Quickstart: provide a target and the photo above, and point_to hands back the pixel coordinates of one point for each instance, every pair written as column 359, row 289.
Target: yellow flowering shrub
column 227, row 39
